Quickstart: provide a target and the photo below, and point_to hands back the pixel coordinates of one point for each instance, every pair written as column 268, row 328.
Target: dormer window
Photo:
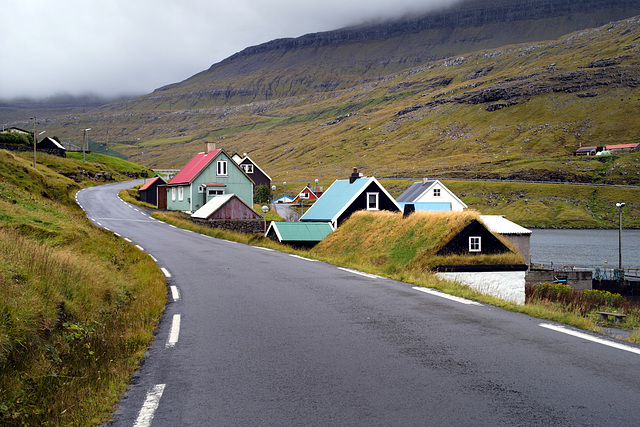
column 436, row 192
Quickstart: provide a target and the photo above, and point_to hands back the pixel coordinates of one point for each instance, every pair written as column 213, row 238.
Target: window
column 372, row 201
column 173, row 194
column 215, row 192
column 474, row 244
column 305, row 195
column 248, row 168
column 222, row 168
column 436, row 192
column 180, row 194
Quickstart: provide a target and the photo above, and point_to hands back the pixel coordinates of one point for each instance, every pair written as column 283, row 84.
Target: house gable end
column 459, row 244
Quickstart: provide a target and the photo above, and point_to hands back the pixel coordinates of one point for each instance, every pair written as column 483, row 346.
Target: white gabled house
column 431, row 191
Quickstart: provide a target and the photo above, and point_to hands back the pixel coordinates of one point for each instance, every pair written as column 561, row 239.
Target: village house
column 209, row 174
column 431, row 195
column 308, row 194
column 253, row 171
column 51, row 146
column 346, row 196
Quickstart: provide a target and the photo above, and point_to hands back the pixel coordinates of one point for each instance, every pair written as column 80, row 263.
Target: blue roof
column 338, row 197
column 428, row 206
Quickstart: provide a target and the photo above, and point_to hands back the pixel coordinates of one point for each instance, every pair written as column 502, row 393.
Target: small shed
column 226, row 206
column 299, row 234
column 51, row 146
column 149, row 191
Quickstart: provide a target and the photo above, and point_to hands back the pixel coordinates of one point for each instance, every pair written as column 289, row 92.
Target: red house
column 308, row 194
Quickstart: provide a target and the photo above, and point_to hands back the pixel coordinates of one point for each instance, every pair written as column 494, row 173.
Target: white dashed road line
column 174, row 332
column 590, row 338
column 166, row 272
column 303, row 258
column 360, row 273
column 175, row 294
column 446, row 296
column 145, row 416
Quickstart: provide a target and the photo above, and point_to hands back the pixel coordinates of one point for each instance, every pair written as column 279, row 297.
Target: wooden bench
column 617, row 317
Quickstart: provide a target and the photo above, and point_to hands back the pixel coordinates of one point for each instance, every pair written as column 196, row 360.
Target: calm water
column 585, row 248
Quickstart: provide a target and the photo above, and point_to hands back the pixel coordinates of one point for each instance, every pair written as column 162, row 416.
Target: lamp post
column 285, row 187
column 620, row 206
column 273, row 192
column 84, row 142
column 265, row 209
column 35, row 143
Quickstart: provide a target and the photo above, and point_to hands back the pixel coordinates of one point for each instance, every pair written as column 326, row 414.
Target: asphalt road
column 254, row 337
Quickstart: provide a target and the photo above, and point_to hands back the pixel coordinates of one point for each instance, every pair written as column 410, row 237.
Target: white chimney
column 209, row 146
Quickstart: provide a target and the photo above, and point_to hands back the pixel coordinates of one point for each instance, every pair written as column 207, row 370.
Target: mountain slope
column 511, row 112
column 336, row 60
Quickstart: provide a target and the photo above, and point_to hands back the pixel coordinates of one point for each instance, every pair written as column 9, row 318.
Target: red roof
column 150, row 183
column 194, row 167
column 621, row 146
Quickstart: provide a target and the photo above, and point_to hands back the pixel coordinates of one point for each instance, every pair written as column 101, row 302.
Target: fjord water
column 585, row 248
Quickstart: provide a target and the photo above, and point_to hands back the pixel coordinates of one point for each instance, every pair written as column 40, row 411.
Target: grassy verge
column 78, row 306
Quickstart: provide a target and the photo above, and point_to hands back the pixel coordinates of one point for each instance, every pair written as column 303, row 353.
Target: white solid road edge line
column 174, row 332
column 446, row 296
column 590, row 338
column 360, row 273
column 175, row 294
column 145, row 416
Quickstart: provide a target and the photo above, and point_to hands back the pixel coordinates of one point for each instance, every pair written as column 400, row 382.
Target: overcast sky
column 126, row 47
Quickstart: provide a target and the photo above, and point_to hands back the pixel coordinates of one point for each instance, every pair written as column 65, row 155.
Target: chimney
column 354, row 175
column 209, row 146
column 424, row 181
column 244, row 154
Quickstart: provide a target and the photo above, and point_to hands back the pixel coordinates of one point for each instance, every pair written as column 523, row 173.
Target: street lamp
column 265, row 209
column 35, row 143
column 273, row 192
column 285, row 187
column 84, row 142
column 620, row 206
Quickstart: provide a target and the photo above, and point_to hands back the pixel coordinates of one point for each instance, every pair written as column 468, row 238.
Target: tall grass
column 78, row 306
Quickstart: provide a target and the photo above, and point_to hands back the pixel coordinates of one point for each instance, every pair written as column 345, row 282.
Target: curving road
column 254, row 337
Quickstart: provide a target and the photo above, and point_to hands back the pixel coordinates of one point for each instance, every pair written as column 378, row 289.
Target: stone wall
column 246, row 226
column 577, row 279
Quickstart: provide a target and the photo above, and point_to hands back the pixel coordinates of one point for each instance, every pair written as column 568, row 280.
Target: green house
column 207, row 175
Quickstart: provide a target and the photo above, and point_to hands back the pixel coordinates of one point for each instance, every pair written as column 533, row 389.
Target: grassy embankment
column 78, row 305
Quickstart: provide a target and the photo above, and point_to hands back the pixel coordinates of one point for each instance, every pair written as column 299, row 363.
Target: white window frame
column 377, row 200
column 248, row 168
column 475, row 244
column 221, row 168
column 180, row 194
column 211, row 192
column 173, row 194
column 436, row 192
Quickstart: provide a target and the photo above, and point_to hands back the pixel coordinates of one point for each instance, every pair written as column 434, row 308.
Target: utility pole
column 620, row 206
